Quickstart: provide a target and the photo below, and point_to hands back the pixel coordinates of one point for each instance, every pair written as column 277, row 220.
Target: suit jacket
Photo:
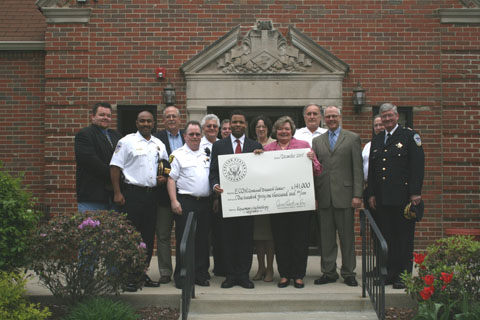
column 163, row 197
column 342, row 176
column 224, row 146
column 396, row 169
column 93, row 153
column 162, row 135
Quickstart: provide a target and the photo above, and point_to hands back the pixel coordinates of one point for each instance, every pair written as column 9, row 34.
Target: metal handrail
column 374, row 262
column 187, row 256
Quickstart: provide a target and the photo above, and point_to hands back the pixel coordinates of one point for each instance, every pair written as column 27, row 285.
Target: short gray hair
column 312, row 104
column 208, row 117
column 338, row 109
column 280, row 122
column 387, row 107
column 176, row 109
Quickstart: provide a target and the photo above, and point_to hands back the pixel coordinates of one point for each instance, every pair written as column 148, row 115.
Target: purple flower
column 43, row 234
column 142, row 245
column 89, row 222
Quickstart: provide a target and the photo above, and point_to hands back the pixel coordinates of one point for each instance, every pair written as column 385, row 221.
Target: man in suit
column 94, row 146
column 172, row 138
column 339, row 192
column 237, row 233
column 395, row 178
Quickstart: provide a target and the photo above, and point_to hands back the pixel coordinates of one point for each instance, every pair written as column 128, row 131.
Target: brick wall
column 398, row 50
column 22, row 110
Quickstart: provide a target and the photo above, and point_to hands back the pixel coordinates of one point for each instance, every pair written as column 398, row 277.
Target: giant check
column 272, row 182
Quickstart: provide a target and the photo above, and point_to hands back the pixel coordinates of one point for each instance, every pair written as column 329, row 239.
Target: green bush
column 448, row 281
column 13, row 305
column 17, row 222
column 102, row 309
column 79, row 255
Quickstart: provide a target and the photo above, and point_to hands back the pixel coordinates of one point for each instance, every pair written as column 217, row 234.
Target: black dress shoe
column 202, row 283
column 398, row 284
column 245, row 283
column 228, row 283
column 149, row 283
column 351, row 281
column 130, row 287
column 283, row 284
column 324, row 280
column 164, row 279
column 298, row 285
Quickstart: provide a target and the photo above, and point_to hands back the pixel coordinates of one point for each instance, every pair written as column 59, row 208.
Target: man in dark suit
column 237, row 233
column 172, row 138
column 395, row 178
column 94, row 146
column 339, row 191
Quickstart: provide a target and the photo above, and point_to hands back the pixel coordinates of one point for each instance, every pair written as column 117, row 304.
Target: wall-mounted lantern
column 169, row 95
column 359, row 98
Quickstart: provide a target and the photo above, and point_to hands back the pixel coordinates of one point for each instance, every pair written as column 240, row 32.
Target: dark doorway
column 127, row 115
column 296, row 113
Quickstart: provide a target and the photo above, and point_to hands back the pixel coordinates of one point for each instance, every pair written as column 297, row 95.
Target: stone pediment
column 264, row 50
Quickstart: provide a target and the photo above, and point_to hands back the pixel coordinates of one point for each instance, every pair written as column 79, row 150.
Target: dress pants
column 341, row 220
column 164, row 233
column 201, row 208
column 399, row 234
column 237, row 235
column 141, row 209
column 290, row 233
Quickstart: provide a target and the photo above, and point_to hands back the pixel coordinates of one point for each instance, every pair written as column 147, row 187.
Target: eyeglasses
column 211, row 126
column 331, row 116
column 194, row 134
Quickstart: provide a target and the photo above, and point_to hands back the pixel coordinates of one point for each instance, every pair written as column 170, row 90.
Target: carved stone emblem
column 264, row 50
column 471, row 3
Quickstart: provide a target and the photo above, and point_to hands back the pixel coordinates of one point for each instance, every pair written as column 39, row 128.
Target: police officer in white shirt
column 188, row 188
column 136, row 157
column 313, row 117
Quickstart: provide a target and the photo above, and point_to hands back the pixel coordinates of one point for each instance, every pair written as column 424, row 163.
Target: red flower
column 429, row 279
column 443, row 287
column 427, row 292
column 418, row 258
column 446, row 277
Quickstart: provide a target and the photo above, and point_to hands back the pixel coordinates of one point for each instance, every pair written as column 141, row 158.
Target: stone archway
column 263, row 70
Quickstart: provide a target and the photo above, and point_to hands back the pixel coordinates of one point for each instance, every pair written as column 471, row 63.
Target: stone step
column 279, row 302
column 314, row 315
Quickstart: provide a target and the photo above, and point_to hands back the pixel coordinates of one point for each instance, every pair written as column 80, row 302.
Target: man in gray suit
column 339, row 192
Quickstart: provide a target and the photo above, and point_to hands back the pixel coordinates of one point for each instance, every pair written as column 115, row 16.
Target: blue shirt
column 175, row 141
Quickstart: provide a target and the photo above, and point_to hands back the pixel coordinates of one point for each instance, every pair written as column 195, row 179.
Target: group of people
column 128, row 175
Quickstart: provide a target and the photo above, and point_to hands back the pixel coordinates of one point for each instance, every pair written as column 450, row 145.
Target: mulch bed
column 400, row 313
column 149, row 313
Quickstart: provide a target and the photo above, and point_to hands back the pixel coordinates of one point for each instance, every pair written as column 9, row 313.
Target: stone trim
column 67, row 15
column 465, row 15
column 22, row 45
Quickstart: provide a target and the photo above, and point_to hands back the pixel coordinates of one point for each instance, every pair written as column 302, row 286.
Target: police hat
column 414, row 211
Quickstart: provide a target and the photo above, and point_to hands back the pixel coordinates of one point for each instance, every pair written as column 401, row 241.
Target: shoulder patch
column 170, row 159
column 417, row 139
column 119, row 146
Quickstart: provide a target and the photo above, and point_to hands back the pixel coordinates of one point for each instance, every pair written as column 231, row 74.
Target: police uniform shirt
column 306, row 135
column 190, row 170
column 204, row 143
column 365, row 157
column 138, row 158
column 396, row 168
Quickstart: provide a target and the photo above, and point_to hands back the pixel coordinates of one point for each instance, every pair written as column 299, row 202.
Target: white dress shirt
column 306, row 135
column 138, row 158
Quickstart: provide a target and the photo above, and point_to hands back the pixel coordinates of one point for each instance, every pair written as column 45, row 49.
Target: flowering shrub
column 95, row 253
column 448, row 281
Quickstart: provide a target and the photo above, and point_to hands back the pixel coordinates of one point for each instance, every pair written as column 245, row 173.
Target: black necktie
column 388, row 137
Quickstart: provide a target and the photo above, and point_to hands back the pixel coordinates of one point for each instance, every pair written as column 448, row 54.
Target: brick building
column 58, row 57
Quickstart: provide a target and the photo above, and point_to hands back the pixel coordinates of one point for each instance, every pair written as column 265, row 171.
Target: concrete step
column 314, row 315
column 279, row 302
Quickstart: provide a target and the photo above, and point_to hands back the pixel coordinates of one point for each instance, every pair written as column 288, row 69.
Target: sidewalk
column 169, row 296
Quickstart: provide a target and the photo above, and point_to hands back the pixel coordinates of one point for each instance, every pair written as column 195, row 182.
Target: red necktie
column 238, row 149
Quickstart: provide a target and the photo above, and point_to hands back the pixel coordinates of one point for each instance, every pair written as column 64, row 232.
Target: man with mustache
column 136, row 158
